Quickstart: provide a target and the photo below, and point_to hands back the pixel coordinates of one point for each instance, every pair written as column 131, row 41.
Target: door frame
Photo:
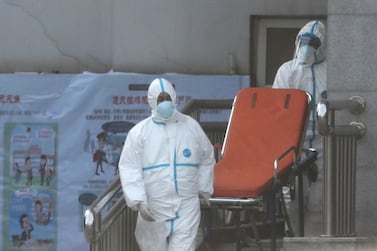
column 258, row 41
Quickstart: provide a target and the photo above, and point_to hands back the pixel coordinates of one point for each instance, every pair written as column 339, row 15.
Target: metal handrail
column 195, row 105
column 326, row 116
column 93, row 224
column 340, row 164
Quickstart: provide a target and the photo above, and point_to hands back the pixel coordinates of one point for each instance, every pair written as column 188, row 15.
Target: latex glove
column 204, row 198
column 145, row 212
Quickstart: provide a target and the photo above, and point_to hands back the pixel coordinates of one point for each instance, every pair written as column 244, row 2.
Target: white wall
column 132, row 36
column 64, row 36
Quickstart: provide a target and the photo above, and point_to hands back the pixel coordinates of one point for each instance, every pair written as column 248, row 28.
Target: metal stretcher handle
column 234, row 201
column 276, row 162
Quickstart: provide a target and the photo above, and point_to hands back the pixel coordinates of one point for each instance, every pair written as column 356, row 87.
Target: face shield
column 307, row 49
column 309, row 39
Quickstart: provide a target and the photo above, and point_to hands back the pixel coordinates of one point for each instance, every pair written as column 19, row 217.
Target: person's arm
column 130, row 171
column 282, row 78
column 207, row 163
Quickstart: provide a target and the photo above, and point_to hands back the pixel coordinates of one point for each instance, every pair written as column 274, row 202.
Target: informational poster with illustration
column 30, row 187
column 61, row 139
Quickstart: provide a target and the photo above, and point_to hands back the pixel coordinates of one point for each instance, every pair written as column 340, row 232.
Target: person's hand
column 204, row 198
column 145, row 212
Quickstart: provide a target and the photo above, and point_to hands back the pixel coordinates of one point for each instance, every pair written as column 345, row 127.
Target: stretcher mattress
column 264, row 123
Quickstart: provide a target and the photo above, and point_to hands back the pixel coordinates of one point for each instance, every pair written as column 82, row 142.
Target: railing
column 108, row 223
column 196, row 106
column 214, row 130
column 340, row 150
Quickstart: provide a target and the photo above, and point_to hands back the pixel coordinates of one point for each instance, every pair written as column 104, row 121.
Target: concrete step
column 300, row 244
column 329, row 244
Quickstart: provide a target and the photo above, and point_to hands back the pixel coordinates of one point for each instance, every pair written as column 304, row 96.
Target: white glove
column 204, row 198
column 145, row 212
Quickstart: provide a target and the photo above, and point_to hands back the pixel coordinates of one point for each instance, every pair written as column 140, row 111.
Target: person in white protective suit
column 165, row 167
column 307, row 71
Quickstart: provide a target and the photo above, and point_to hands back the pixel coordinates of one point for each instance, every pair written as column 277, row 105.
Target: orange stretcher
column 262, row 147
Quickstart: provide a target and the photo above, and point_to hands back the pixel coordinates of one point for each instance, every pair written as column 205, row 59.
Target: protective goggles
column 309, row 39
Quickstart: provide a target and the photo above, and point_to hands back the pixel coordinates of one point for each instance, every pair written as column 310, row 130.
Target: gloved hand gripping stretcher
column 262, row 148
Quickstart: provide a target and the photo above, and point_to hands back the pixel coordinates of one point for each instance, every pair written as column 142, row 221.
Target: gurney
column 261, row 153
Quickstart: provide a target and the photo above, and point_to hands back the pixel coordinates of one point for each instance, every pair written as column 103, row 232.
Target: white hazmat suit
column 166, row 163
column 307, row 71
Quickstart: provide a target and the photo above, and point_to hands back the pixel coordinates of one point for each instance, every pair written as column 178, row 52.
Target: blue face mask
column 306, row 54
column 165, row 109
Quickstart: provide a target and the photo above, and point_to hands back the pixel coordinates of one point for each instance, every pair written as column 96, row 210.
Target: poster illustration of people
column 61, row 138
column 31, row 193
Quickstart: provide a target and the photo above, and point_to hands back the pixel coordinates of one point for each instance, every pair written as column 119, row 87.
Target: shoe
column 97, row 173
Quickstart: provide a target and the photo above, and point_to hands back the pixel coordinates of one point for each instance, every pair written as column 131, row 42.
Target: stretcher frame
column 297, row 167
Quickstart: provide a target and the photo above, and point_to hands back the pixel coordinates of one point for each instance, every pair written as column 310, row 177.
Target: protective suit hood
column 157, row 86
column 317, row 29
